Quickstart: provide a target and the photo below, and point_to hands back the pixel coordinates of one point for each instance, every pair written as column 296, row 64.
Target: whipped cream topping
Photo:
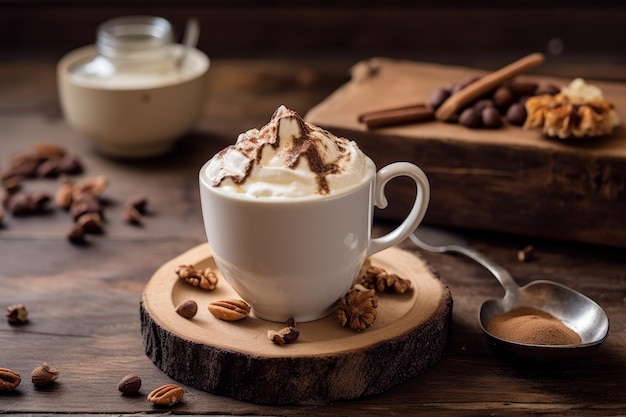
column 289, row 158
column 579, row 91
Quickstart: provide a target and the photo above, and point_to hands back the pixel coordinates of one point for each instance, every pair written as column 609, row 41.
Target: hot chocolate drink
column 288, row 213
column 289, row 158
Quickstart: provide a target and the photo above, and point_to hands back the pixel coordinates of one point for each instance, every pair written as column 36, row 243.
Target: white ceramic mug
column 296, row 257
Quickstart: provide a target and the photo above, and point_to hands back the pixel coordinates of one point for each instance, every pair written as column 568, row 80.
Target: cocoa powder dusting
column 310, row 141
column 532, row 326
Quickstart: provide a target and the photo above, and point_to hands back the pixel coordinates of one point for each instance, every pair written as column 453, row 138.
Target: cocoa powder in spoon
column 532, row 326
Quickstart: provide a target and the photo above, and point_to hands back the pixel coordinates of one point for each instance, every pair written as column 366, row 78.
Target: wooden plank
column 84, row 301
column 508, row 179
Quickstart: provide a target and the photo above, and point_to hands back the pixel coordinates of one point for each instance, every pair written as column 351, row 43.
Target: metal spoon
column 575, row 310
column 190, row 40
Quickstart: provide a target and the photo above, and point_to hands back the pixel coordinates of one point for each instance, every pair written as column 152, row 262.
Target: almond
column 187, row 309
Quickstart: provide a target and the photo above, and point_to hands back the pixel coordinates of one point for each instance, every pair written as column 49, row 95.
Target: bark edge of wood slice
column 327, row 363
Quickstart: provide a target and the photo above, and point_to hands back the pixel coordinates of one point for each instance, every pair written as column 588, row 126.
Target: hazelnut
column 470, row 118
column 503, row 97
column 480, row 105
column 516, row 115
column 438, row 97
column 491, row 119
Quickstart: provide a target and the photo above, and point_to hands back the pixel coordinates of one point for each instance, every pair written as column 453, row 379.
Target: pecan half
column 168, row 394
column 9, row 379
column 230, row 310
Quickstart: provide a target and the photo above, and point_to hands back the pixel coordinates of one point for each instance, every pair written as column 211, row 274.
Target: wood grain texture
column 84, row 301
column 509, row 180
column 326, row 364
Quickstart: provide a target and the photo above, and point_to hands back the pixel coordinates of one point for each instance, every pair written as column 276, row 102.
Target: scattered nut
column 83, row 203
column 12, row 184
column 94, row 186
column 82, row 199
column 516, row 115
column 567, row 116
column 168, row 394
column 27, row 203
column 129, row 385
column 187, row 309
column 438, row 97
column 70, row 165
column 140, row 203
column 76, row 235
column 205, row 278
column 17, row 314
column 131, row 215
column 526, row 254
column 63, row 195
column 44, row 375
column 491, row 118
column 48, row 169
column 9, row 379
column 470, row 118
column 230, row 310
column 91, row 223
column 378, row 279
column 284, row 336
column 48, row 151
column 357, row 308
column 503, row 97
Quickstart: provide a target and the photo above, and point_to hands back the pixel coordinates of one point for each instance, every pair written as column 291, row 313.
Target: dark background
column 570, row 32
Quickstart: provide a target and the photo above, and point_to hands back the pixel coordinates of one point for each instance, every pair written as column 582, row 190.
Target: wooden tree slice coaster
column 327, row 363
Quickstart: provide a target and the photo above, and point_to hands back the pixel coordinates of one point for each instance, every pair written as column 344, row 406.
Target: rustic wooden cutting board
column 509, row 179
column 327, row 362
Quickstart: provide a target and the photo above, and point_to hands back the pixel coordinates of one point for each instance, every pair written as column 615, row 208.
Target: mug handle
column 415, row 216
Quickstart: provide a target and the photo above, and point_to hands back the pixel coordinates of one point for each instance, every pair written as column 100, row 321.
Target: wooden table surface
column 84, row 300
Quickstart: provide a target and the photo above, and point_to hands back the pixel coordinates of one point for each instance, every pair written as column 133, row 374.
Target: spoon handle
column 190, row 39
column 502, row 275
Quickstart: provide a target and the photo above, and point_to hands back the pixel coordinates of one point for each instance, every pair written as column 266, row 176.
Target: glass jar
column 129, row 48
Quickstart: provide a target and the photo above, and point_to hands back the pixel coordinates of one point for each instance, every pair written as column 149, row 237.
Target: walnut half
column 357, row 309
column 377, row 278
column 579, row 111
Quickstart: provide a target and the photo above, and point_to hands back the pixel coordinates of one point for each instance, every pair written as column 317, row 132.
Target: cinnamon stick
column 397, row 116
column 483, row 85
